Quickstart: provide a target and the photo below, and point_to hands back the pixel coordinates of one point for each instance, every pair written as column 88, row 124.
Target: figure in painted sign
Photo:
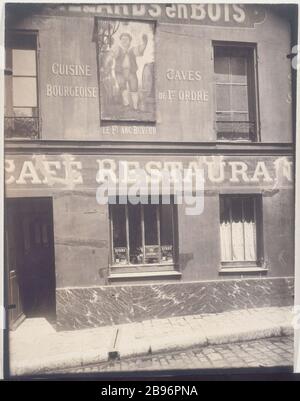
column 125, row 68
column 127, row 73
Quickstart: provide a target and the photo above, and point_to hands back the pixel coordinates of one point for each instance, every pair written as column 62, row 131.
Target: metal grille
column 236, row 130
column 21, row 127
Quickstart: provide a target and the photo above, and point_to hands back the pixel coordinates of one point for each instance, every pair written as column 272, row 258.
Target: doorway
column 30, row 259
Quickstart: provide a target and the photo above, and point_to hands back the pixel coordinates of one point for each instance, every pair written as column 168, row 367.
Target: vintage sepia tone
column 192, row 273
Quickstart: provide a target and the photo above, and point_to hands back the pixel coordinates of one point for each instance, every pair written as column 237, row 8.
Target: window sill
column 235, row 140
column 240, row 269
column 156, row 274
column 20, row 138
column 144, row 266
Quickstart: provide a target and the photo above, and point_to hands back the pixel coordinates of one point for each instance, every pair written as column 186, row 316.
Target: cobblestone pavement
column 276, row 351
column 55, row 350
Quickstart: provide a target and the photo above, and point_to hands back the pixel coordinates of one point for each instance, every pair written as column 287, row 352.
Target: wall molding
column 144, row 148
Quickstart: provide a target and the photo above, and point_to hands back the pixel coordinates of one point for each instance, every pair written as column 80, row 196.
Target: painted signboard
column 230, row 15
column 126, row 70
column 70, row 172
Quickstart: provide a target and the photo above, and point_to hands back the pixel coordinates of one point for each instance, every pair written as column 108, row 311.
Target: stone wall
column 79, row 308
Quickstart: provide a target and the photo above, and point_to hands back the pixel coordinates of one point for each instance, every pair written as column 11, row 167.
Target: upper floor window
column 21, row 95
column 234, row 71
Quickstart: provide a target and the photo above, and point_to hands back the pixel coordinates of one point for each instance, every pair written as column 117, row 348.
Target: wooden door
column 15, row 305
column 37, row 273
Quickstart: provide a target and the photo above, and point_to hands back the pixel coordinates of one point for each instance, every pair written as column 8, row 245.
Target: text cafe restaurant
column 92, row 89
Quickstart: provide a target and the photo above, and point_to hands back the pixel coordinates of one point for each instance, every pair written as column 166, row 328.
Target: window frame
column 13, row 40
column 159, row 266
column 245, row 265
column 253, row 105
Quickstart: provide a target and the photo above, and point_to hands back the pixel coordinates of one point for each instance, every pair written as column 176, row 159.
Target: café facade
column 95, row 93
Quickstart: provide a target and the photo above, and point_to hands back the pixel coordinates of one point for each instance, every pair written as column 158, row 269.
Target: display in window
column 152, row 253
column 126, row 70
column 135, row 234
column 118, row 215
column 142, row 234
column 120, row 256
column 136, row 255
column 167, row 253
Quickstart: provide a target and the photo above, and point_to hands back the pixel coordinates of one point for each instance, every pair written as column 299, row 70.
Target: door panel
column 15, row 304
column 37, row 267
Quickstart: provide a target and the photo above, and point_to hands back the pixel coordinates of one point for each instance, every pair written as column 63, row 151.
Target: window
column 235, row 92
column 142, row 234
column 240, row 216
column 21, row 99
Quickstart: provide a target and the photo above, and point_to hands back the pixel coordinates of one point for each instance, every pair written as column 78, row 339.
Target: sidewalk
column 35, row 347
